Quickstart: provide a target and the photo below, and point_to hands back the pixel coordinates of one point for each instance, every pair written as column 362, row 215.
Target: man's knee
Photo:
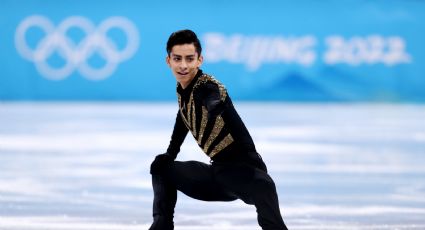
column 161, row 162
column 263, row 183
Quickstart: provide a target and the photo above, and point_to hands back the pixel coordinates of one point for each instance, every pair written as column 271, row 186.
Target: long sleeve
column 179, row 134
column 217, row 105
column 208, row 113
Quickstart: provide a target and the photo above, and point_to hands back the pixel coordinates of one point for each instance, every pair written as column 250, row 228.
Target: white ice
column 84, row 166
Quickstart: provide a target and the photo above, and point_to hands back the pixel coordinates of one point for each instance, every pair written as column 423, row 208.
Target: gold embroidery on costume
column 203, row 124
column 223, row 144
column 189, row 117
column 193, row 120
column 218, row 126
column 207, row 78
column 189, row 109
column 179, row 98
column 181, row 111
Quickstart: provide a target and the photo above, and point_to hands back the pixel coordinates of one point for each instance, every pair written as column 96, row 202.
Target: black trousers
column 220, row 181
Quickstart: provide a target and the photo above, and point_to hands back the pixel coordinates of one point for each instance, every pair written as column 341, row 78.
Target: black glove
column 160, row 163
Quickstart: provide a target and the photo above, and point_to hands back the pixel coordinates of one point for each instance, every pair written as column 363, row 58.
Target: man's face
column 184, row 61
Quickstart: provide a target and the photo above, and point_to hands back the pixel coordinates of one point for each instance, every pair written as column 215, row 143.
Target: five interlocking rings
column 76, row 56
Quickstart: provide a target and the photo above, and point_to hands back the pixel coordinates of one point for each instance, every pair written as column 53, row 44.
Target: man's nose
column 183, row 64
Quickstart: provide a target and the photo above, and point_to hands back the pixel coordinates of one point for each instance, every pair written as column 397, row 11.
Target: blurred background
column 332, row 91
column 350, row 51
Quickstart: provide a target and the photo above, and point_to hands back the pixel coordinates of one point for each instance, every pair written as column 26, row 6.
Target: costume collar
column 189, row 88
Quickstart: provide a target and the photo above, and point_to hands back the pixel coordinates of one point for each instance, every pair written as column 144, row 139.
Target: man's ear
column 200, row 60
column 167, row 60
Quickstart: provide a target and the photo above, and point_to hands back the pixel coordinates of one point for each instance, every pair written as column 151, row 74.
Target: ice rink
column 85, row 166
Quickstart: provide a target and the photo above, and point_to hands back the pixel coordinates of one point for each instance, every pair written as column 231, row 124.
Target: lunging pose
column 236, row 170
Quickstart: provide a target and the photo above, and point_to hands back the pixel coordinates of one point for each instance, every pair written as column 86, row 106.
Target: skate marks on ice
column 85, row 166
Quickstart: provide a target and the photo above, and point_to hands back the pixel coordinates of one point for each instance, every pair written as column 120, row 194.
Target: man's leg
column 165, row 197
column 264, row 196
column 195, row 179
column 253, row 186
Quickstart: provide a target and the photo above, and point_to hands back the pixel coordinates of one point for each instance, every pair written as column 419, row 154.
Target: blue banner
column 345, row 51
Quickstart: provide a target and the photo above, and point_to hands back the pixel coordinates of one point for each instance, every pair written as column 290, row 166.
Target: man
column 205, row 109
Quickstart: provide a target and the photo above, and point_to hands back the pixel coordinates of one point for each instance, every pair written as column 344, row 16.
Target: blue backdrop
column 280, row 50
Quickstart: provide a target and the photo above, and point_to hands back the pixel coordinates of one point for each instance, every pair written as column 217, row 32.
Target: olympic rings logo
column 76, row 56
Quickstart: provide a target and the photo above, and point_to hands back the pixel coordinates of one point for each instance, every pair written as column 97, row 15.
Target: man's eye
column 176, row 59
column 190, row 59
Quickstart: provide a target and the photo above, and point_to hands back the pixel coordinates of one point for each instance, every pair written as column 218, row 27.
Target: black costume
column 237, row 170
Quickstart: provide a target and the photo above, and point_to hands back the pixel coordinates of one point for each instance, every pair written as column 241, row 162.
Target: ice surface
column 336, row 166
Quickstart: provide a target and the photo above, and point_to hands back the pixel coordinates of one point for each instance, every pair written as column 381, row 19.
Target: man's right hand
column 160, row 163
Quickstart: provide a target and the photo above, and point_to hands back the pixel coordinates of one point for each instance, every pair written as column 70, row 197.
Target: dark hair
column 182, row 37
